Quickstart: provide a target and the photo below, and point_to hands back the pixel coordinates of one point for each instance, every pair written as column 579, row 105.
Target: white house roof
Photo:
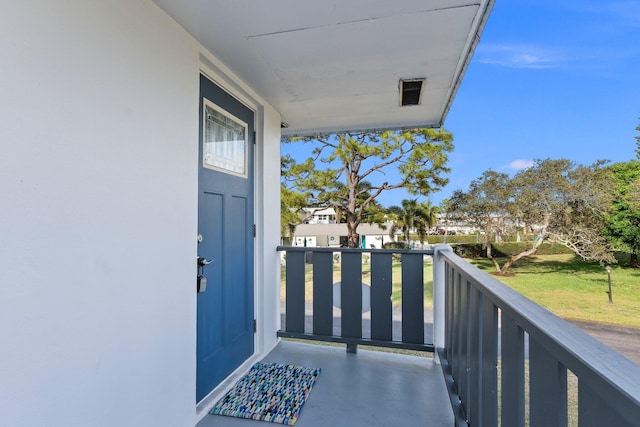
column 336, row 65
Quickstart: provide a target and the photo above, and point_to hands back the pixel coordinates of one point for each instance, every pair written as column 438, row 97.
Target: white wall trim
column 262, row 344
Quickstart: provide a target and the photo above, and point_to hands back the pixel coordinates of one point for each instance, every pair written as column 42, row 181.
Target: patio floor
column 369, row 388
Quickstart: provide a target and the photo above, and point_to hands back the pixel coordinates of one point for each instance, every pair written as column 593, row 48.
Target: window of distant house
column 224, row 141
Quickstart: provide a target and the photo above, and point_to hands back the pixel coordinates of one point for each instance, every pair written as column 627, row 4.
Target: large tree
column 349, row 170
column 569, row 203
column 560, row 201
column 487, row 206
column 624, row 222
column 412, row 216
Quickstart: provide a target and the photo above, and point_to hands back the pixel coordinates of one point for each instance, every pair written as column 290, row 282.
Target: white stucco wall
column 98, row 190
column 268, row 212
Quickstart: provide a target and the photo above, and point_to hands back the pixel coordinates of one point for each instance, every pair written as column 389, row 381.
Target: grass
column 396, row 288
column 575, row 289
column 572, row 395
column 564, row 284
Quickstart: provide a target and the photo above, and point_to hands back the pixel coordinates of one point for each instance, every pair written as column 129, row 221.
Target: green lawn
column 564, row 284
column 575, row 289
column 396, row 291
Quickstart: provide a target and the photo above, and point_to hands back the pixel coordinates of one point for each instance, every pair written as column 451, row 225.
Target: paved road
column 624, row 340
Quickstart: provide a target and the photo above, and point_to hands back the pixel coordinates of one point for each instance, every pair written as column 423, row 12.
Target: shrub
column 508, row 249
column 452, row 239
column 394, row 245
column 469, row 250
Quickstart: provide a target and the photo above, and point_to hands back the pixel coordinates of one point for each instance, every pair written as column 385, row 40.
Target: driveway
column 623, row 339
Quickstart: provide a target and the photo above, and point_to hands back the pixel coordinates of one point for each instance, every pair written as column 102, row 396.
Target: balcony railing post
column 439, row 297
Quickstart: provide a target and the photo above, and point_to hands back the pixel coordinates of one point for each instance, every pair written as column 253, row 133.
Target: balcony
column 493, row 356
column 370, row 388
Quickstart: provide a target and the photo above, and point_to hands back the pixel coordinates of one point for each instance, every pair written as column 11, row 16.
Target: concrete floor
column 369, row 388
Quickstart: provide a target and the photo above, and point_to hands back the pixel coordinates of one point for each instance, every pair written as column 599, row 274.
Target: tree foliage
column 557, row 200
column 624, row 222
column 292, row 205
column 638, row 143
column 486, row 205
column 348, row 171
column 412, row 216
column 291, row 211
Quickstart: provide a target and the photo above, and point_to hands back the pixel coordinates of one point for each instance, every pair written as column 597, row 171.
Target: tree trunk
column 521, row 255
column 634, row 260
column 353, row 239
column 491, row 258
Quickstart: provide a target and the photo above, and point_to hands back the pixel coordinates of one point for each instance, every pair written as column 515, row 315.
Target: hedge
column 454, row 238
column 471, row 238
column 476, row 250
column 395, row 245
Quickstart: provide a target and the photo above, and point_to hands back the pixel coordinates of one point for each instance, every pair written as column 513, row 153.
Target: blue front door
column 225, row 224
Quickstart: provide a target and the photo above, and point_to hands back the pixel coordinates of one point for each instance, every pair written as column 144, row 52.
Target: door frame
column 215, row 75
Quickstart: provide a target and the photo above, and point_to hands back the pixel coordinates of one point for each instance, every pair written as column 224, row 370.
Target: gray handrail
column 609, row 383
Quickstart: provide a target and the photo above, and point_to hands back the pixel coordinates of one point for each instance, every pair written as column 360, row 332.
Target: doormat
column 269, row 392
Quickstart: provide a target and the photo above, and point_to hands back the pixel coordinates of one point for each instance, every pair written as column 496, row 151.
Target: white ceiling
column 335, row 65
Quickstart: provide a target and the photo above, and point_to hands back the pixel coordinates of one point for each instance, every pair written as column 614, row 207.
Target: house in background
column 319, row 216
column 320, row 227
column 372, row 236
column 139, row 179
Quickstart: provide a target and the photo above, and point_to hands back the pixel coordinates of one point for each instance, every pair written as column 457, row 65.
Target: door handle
column 203, row 261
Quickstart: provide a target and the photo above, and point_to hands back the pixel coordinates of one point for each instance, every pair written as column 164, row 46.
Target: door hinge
column 254, row 137
column 254, row 230
column 255, row 326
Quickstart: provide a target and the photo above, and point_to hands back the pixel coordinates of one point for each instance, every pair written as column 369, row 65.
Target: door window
column 225, row 141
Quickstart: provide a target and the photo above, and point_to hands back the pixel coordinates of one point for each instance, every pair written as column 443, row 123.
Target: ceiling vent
column 411, row 91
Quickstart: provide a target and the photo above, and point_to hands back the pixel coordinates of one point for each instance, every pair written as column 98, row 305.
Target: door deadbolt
column 201, row 285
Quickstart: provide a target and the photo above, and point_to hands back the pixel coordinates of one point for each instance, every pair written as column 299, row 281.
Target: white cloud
column 518, row 56
column 521, row 164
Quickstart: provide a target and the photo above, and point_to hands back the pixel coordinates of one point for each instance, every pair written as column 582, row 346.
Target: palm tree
column 412, row 217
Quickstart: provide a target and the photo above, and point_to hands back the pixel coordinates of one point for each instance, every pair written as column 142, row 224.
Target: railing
column 484, row 322
column 348, row 327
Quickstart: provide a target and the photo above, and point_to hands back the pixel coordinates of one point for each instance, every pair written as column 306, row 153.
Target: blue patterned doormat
column 269, row 392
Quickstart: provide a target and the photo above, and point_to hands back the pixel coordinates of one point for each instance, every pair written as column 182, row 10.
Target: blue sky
column 549, row 79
